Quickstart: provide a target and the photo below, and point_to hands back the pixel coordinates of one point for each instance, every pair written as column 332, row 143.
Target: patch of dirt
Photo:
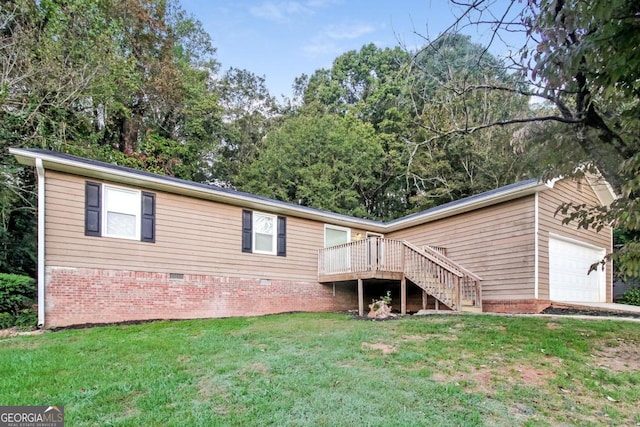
column 554, row 325
column 216, row 395
column 483, row 379
column 426, row 337
column 530, row 376
column 522, row 411
column 413, row 338
column 479, row 379
column 345, row 365
column 14, row 332
column 622, row 356
column 443, row 317
column 385, row 348
column 258, row 368
column 587, row 312
column 501, row 328
column 382, row 319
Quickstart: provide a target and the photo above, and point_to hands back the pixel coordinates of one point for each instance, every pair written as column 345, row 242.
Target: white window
column 338, row 259
column 264, row 233
column 121, row 213
column 335, row 235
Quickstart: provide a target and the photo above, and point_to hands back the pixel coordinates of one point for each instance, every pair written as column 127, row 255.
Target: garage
column 569, row 262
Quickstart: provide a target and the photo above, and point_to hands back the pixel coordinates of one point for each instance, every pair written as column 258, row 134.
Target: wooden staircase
column 380, row 258
column 442, row 278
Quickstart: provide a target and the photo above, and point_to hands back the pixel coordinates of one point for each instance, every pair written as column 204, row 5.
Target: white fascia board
column 184, row 188
column 238, row 199
column 476, row 203
column 604, row 191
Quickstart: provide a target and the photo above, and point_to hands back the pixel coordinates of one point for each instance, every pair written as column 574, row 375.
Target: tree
column 582, row 58
column 249, row 111
column 49, row 56
column 128, row 82
column 368, row 84
column 327, row 162
column 445, row 164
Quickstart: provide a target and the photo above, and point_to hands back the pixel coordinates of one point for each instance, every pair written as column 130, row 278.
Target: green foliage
column 6, row 320
column 368, row 84
column 26, row 318
column 581, row 57
column 16, row 292
column 328, row 162
column 384, row 298
column 596, row 44
column 248, row 113
column 631, row 297
column 126, row 82
column 454, row 150
column 17, row 219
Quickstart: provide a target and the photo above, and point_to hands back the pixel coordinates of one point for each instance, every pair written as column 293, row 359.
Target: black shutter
column 282, row 236
column 148, row 223
column 247, row 231
column 92, row 209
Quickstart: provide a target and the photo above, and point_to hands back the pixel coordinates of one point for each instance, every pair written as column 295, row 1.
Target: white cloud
column 283, row 11
column 316, row 4
column 321, row 49
column 348, row 31
column 279, row 11
column 334, row 39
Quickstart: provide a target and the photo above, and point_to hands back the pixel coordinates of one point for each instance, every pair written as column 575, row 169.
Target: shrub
column 16, row 292
column 632, row 297
column 27, row 318
column 6, row 320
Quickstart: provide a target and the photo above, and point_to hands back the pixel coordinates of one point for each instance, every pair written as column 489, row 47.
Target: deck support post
column 437, row 304
column 425, row 297
column 360, row 298
column 403, row 295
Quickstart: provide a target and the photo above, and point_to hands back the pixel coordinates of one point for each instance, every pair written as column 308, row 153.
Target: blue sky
column 282, row 39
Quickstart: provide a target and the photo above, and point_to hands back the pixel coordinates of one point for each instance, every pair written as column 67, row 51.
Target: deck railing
column 371, row 254
column 437, row 274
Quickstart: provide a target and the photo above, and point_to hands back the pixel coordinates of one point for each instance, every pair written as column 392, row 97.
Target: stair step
column 470, row 309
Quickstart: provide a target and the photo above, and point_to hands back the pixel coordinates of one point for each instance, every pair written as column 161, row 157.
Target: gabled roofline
column 604, row 191
column 100, row 170
column 488, row 198
column 124, row 175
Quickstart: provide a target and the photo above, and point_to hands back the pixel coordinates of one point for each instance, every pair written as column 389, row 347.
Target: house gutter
column 41, row 260
column 465, row 206
column 247, row 200
column 536, row 248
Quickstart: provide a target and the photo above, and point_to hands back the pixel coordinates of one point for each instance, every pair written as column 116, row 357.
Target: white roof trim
column 604, row 191
column 465, row 206
column 157, row 182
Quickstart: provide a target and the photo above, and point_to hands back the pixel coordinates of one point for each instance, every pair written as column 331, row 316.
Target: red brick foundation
column 77, row 296
column 515, row 306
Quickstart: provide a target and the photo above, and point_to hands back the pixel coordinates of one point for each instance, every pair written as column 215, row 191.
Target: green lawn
column 329, row 369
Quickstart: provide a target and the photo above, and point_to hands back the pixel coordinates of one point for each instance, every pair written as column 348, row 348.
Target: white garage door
column 569, row 262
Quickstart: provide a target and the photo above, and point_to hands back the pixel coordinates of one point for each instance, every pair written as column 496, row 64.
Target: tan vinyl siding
column 549, row 201
column 192, row 237
column 495, row 242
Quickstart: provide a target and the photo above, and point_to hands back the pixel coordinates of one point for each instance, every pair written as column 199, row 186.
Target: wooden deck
column 379, row 258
